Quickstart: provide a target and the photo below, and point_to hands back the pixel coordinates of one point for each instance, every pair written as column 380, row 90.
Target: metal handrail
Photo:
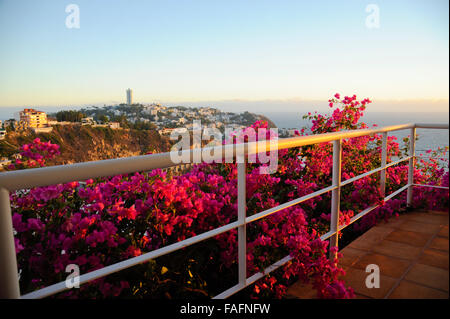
column 38, row 177
column 51, row 175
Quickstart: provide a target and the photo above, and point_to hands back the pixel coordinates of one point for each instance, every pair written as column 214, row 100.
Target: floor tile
column 429, row 276
column 429, row 218
column 350, row 255
column 408, row 237
column 399, row 250
column 443, row 232
column 438, row 212
column 356, row 279
column 410, row 290
column 420, row 227
column 439, row 243
column 393, row 222
column 300, row 290
column 371, row 238
column 389, row 266
column 434, row 258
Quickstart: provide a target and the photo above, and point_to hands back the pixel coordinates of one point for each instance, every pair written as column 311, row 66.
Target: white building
column 46, row 129
column 87, row 121
column 114, row 125
column 33, row 118
column 150, row 110
column 129, row 96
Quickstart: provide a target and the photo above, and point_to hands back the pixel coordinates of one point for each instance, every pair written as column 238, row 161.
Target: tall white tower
column 129, row 96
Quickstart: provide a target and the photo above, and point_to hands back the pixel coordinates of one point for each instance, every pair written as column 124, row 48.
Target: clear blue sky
column 176, row 50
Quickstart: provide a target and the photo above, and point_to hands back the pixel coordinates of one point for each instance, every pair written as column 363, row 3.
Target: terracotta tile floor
column 411, row 252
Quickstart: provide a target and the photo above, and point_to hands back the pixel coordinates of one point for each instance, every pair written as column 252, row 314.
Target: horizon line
column 286, row 100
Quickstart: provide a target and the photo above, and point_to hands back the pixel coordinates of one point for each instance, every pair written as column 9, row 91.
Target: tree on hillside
column 103, row 119
column 140, row 125
column 122, row 119
column 70, row 116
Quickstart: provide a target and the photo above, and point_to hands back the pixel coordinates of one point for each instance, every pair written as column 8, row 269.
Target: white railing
column 37, row 177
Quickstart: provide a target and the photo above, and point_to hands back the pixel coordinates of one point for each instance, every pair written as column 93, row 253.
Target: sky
column 274, row 55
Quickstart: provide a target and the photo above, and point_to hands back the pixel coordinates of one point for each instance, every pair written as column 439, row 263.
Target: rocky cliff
column 86, row 143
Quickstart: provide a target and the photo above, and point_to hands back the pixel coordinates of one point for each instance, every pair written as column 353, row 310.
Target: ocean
column 428, row 138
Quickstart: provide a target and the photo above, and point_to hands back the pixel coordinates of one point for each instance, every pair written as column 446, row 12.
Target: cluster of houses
column 38, row 122
column 189, row 127
column 27, row 119
column 288, row 132
column 90, row 121
column 166, row 119
column 170, row 116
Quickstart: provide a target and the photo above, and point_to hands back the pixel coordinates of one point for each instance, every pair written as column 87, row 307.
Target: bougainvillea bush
column 99, row 222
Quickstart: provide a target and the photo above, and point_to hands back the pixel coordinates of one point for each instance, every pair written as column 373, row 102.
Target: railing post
column 412, row 152
column 242, row 232
column 383, row 165
column 9, row 279
column 335, row 195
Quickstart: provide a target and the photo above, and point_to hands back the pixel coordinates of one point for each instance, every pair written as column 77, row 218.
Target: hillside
column 86, row 143
column 161, row 117
column 248, row 119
